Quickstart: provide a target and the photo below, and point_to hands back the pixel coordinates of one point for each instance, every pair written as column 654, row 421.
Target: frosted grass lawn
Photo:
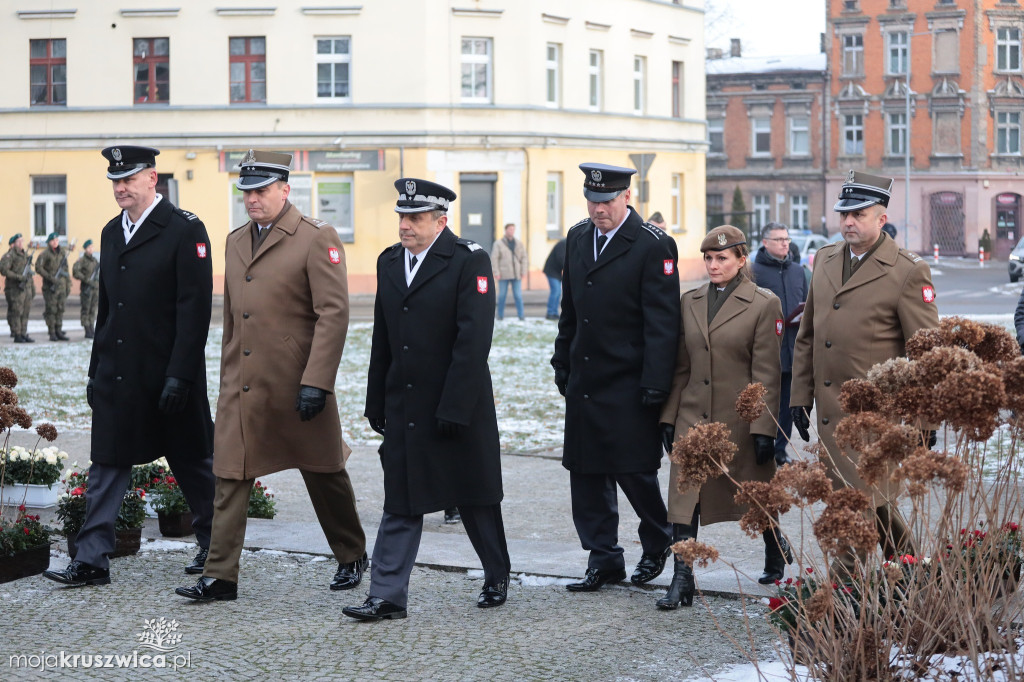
column 51, row 383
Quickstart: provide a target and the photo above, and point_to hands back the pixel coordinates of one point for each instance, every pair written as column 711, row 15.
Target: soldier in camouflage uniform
column 52, row 265
column 19, row 288
column 87, row 271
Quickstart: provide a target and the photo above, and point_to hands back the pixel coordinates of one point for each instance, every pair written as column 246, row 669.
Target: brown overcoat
column 285, row 321
column 713, row 365
column 848, row 328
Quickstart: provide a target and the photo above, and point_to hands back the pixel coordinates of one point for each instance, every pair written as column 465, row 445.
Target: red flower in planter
column 78, row 491
column 775, row 603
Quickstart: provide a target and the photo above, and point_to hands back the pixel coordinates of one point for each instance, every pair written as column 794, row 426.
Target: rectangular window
column 676, row 194
column 799, row 136
column 762, row 211
column 716, row 136
column 853, row 54
column 333, row 68
column 853, row 134
column 761, row 141
column 553, row 68
column 594, row 73
column 639, row 84
column 48, row 67
column 946, row 52
column 715, row 206
column 798, row 212
column 1008, row 49
column 247, row 58
column 554, row 205
column 49, row 205
column 896, row 64
column 896, row 136
column 677, row 89
column 1008, row 132
column 151, row 61
column 476, row 70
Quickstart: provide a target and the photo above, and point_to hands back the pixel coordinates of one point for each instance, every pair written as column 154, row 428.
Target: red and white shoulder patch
column 779, row 326
column 670, row 267
column 928, row 294
column 200, row 250
column 481, row 284
column 334, row 254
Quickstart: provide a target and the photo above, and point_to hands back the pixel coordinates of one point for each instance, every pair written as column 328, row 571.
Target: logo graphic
column 722, row 240
column 928, row 294
column 333, row 254
column 481, row 285
column 250, row 157
column 116, row 153
column 778, row 327
column 596, row 174
column 201, row 249
column 410, row 188
column 670, row 267
column 159, row 634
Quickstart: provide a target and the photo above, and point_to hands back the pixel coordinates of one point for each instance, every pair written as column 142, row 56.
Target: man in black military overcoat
column 614, row 357
column 429, row 394
column 147, row 376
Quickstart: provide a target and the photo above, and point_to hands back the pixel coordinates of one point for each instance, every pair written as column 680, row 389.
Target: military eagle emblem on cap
column 596, row 174
column 852, row 176
column 250, row 157
column 722, row 239
column 116, row 153
column 410, row 187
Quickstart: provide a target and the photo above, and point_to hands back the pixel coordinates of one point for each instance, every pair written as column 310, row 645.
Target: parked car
column 1016, row 264
column 808, row 242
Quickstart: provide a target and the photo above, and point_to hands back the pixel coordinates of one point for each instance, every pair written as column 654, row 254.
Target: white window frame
column 468, row 63
column 762, row 207
column 1008, row 49
column 554, row 205
column 853, row 54
column 676, row 196
column 50, row 203
column 716, row 126
column 760, row 125
column 553, row 75
column 897, row 51
column 639, row 84
column 799, row 130
column 1008, row 128
column 595, row 65
column 334, row 59
column 853, row 123
column 896, row 133
column 799, row 212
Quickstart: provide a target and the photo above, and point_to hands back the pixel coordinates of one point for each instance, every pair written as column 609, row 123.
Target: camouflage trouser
column 28, row 293
column 54, row 306
column 15, row 302
column 90, row 304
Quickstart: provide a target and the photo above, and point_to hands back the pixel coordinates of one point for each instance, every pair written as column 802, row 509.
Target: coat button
column 405, row 348
column 248, row 278
column 245, row 389
column 120, row 305
column 828, row 382
column 835, row 306
column 824, row 420
column 586, row 358
column 246, row 352
column 586, row 396
column 123, row 268
column 245, row 316
column 707, row 381
column 117, row 378
column 590, row 284
column 120, row 341
column 705, row 415
column 828, row 344
column 586, row 321
column 705, row 347
column 408, row 386
column 405, row 308
column 412, row 425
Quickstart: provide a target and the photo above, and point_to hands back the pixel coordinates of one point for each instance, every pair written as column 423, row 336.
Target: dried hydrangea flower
column 808, row 482
column 704, row 452
column 818, row 605
column 927, row 467
column 970, row 402
column 998, row 345
column 8, row 378
column 691, row 552
column 842, row 525
column 765, row 502
column 861, row 395
column 750, row 403
column 961, row 331
column 47, row 432
column 924, row 340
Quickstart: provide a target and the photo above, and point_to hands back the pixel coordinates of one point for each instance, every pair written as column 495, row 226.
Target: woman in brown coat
column 730, row 338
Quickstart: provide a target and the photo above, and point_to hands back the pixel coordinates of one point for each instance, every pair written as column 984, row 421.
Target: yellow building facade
column 498, row 100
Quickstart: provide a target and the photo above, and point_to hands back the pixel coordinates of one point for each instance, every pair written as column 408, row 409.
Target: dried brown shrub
column 808, row 482
column 926, row 466
column 938, row 363
column 8, row 396
column 703, row 453
column 857, row 431
column 970, row 402
column 818, row 605
column 959, row 331
column 1013, row 383
column 8, row 378
column 861, row 395
column 765, row 502
column 750, row 403
column 924, row 340
column 998, row 345
column 11, row 415
column 47, row 432
column 842, row 525
column 691, row 551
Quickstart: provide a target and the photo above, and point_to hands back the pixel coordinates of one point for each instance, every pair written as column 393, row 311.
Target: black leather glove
column 764, row 448
column 448, row 429
column 174, row 396
column 652, row 397
column 310, row 402
column 929, row 438
column 88, row 393
column 801, row 421
column 377, row 424
column 781, row 458
column 561, row 379
column 668, row 436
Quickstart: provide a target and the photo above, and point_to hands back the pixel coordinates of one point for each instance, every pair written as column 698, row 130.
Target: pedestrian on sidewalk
column 147, row 375
column 553, row 271
column 285, row 322
column 508, row 261
column 52, row 266
column 613, row 361
column 19, row 287
column 429, row 394
column 730, row 338
column 87, row 272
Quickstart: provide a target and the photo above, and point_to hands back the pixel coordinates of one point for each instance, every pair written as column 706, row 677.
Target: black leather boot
column 681, row 590
column 777, row 554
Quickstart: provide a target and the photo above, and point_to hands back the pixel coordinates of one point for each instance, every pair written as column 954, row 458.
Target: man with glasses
column 775, row 269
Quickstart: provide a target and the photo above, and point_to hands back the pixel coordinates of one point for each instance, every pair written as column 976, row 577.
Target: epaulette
column 582, row 222
column 910, row 256
column 469, row 244
column 655, row 230
column 766, row 292
column 315, row 222
column 391, row 248
column 186, row 214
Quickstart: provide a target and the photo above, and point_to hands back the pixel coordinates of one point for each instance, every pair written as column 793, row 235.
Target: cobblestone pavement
column 287, row 625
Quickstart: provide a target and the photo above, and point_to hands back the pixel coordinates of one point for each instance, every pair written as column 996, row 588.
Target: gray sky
column 766, row 27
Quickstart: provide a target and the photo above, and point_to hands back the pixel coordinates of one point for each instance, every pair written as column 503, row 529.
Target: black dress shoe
column 375, row 608
column 351, row 574
column 596, row 578
column 649, row 567
column 452, row 516
column 27, row 339
column 79, row 574
column 53, row 337
column 210, row 589
column 61, row 336
column 493, row 595
column 18, row 338
column 199, row 563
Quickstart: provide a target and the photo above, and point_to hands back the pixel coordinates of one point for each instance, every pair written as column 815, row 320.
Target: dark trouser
column 398, row 541
column 785, row 418
column 554, row 296
column 333, row 500
column 595, row 511
column 107, row 485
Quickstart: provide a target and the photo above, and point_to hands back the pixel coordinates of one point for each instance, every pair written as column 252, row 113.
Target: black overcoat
column 428, row 361
column 618, row 333
column 155, row 296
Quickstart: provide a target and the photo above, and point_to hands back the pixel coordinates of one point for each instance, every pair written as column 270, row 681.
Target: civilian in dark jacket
column 775, row 269
column 553, row 271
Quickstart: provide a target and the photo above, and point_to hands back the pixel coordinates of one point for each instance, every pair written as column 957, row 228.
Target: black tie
column 601, row 239
column 412, row 262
